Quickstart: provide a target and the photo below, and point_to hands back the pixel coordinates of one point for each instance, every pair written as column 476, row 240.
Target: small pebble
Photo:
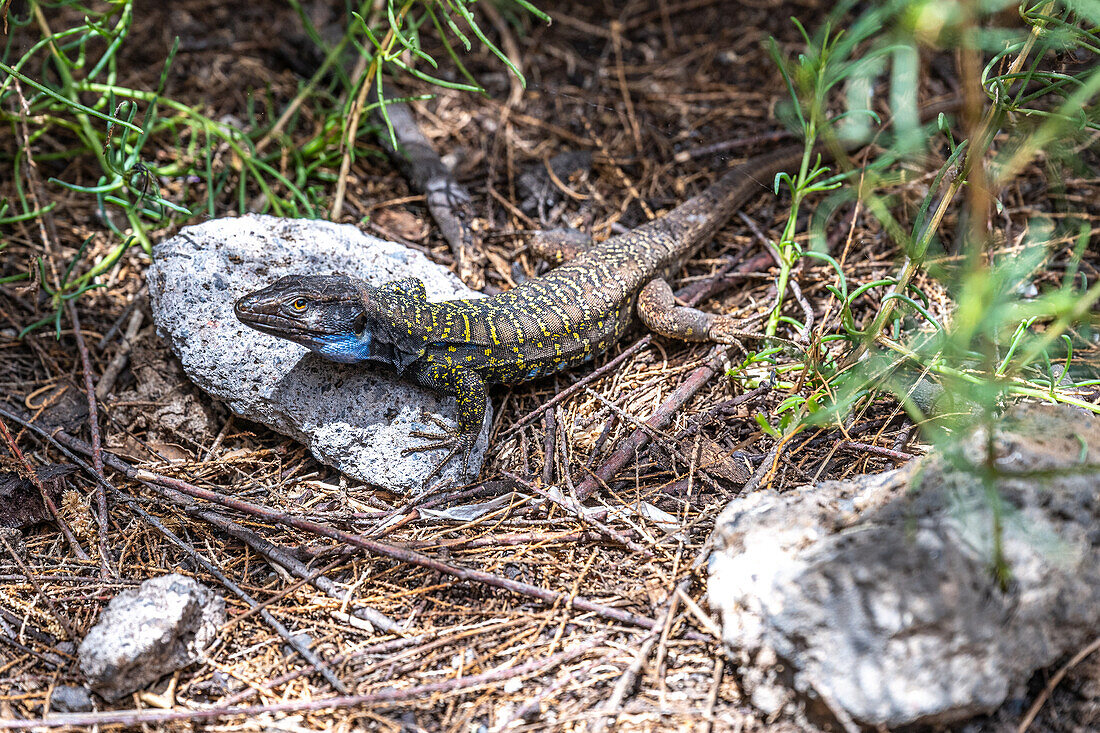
column 70, row 699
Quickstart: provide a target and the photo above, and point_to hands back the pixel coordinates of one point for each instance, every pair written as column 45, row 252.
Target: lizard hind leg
column 657, row 309
column 558, row 246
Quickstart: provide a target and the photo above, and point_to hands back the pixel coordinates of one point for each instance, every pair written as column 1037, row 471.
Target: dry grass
column 640, row 88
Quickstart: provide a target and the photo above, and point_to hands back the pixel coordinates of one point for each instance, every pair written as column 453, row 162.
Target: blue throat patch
column 345, row 348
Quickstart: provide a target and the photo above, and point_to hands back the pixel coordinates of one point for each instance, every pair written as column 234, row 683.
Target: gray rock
column 353, row 417
column 877, row 597
column 147, row 632
column 71, row 699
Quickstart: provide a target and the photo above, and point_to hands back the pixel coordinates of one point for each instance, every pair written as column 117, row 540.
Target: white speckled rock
column 875, row 596
column 147, row 632
column 356, row 418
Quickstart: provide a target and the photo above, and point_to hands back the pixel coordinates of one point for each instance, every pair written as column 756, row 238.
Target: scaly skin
column 542, row 326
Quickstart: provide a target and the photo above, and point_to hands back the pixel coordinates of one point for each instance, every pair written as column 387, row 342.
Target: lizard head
column 343, row 318
column 324, row 313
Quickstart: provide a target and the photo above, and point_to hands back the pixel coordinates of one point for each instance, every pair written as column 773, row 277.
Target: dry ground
column 650, row 87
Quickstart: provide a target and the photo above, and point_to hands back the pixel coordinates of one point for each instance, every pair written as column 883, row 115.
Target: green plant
column 157, row 160
column 68, row 287
column 995, row 344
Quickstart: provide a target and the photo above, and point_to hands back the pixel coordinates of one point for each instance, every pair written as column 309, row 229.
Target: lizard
column 544, row 325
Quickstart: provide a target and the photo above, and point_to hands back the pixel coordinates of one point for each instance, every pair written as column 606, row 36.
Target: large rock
column 353, row 417
column 148, row 632
column 878, row 599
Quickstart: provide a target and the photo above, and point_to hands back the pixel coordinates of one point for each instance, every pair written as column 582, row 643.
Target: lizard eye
column 299, row 304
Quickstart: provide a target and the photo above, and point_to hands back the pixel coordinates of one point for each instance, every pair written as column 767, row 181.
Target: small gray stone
column 353, row 417
column 876, row 596
column 304, row 638
column 71, row 699
column 147, row 632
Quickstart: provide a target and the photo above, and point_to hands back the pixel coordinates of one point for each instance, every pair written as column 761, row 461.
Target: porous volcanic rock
column 877, row 601
column 354, row 417
column 148, row 632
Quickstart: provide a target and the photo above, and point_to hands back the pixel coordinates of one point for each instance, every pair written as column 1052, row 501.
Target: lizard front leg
column 470, row 392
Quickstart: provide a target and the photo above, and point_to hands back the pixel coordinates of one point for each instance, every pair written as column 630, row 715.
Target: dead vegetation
column 529, row 615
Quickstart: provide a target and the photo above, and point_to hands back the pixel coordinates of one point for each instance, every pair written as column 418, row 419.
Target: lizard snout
column 244, row 306
column 253, row 309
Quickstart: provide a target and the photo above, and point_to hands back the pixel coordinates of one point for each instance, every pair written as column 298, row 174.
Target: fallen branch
column 448, row 200
column 575, row 508
column 155, row 481
column 394, row 552
column 118, row 464
column 295, row 641
column 278, row 555
column 32, row 476
column 1054, row 681
column 640, row 438
column 93, row 429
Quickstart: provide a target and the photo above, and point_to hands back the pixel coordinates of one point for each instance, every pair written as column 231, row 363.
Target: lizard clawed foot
column 730, row 331
column 448, row 437
column 726, row 330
